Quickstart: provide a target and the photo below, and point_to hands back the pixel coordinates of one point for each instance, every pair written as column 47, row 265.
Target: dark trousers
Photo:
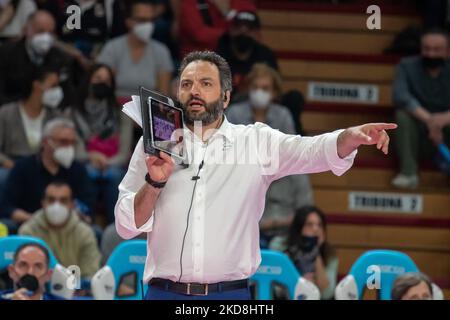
column 160, row 294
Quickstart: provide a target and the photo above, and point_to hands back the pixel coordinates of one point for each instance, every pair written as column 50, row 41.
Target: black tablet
column 162, row 125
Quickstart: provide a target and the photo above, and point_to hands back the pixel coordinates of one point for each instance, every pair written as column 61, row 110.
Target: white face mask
column 56, row 214
column 42, row 42
column 259, row 98
column 52, row 97
column 64, row 156
column 144, row 31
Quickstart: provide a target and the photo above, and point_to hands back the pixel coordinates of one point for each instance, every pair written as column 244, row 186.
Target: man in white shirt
column 202, row 221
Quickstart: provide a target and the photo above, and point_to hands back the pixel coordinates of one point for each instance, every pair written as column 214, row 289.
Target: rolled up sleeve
column 337, row 164
column 128, row 188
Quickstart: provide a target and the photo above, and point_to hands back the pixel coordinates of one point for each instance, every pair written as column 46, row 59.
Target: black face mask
column 308, row 243
column 433, row 63
column 101, row 90
column 243, row 43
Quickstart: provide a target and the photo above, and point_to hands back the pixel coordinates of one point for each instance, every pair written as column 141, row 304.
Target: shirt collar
column 225, row 130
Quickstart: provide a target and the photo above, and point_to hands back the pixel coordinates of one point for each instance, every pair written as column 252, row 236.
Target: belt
column 197, row 289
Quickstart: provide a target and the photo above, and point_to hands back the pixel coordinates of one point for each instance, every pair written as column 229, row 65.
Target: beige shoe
column 405, row 182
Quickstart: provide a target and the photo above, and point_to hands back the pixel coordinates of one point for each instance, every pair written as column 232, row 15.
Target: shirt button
column 197, row 244
column 199, row 194
column 197, row 270
column 198, row 218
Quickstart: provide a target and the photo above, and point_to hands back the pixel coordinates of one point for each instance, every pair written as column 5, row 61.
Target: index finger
column 384, row 126
column 166, row 157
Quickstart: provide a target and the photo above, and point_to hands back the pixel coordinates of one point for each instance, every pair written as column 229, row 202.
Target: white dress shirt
column 222, row 241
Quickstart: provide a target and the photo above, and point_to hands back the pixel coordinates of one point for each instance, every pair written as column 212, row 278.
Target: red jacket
column 195, row 34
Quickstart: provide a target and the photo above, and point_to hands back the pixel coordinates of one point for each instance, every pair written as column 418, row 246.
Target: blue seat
column 10, row 244
column 128, row 258
column 389, row 263
column 60, row 275
column 276, row 267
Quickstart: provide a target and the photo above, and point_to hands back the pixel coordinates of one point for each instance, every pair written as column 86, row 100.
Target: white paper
column 133, row 109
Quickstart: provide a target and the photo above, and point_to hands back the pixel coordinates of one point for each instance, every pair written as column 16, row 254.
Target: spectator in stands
column 100, row 21
column 202, row 23
column 136, row 59
column 412, row 286
column 31, row 260
column 57, row 223
column 106, row 133
column 288, row 193
column 28, row 179
column 21, row 122
column 18, row 60
column 308, row 248
column 421, row 93
column 13, row 17
column 242, row 49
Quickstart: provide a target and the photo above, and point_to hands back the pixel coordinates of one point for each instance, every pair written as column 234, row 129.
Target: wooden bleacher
column 330, row 43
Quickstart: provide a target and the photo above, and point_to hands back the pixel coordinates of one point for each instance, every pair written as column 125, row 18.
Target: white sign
column 385, row 202
column 343, row 92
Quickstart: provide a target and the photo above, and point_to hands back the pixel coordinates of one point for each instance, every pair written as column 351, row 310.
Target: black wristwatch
column 158, row 185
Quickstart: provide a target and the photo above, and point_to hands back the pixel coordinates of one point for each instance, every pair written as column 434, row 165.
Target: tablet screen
column 166, row 121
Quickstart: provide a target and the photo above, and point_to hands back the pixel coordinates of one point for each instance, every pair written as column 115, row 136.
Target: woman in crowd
column 307, row 246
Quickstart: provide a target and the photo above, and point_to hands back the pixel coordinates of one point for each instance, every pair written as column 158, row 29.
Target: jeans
column 413, row 142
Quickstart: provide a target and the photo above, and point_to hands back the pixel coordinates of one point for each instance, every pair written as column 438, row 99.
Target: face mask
column 41, row 43
column 52, row 97
column 259, row 98
column 144, row 31
column 243, row 43
column 101, row 90
column 64, row 156
column 433, row 63
column 56, row 214
column 309, row 242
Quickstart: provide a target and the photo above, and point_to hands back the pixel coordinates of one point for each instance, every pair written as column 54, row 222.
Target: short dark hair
column 214, row 58
column 436, row 31
column 406, row 281
column 129, row 11
column 39, row 74
column 59, row 183
column 36, row 245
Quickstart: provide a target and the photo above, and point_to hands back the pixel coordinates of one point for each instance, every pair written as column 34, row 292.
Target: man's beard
column 212, row 112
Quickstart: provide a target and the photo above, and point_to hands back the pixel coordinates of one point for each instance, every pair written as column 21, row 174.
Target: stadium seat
column 60, row 275
column 389, row 263
column 127, row 259
column 276, row 267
